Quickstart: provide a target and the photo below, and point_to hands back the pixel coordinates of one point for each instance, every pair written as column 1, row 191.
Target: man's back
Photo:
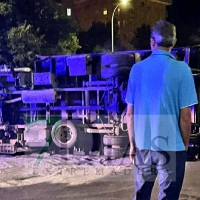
column 158, row 95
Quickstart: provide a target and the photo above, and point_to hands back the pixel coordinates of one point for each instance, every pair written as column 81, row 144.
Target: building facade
column 127, row 17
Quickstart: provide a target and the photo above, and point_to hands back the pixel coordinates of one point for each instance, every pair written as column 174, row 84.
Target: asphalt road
column 55, row 177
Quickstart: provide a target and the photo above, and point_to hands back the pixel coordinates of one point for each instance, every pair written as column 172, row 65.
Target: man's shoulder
column 142, row 62
column 179, row 62
column 180, row 65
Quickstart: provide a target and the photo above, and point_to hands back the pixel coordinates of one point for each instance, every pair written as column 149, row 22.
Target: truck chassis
column 74, row 103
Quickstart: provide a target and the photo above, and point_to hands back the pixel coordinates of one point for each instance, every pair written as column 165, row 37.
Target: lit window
column 118, row 23
column 105, row 11
column 118, row 11
column 69, row 12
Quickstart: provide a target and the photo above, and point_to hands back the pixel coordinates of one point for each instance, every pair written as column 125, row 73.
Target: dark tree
column 141, row 39
column 46, row 17
column 6, row 23
column 97, row 38
column 30, row 27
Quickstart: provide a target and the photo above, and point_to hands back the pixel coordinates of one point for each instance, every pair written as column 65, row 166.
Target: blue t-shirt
column 159, row 87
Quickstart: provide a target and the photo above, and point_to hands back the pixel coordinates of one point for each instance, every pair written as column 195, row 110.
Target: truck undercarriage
column 76, row 103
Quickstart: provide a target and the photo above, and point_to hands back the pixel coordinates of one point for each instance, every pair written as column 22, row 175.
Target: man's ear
column 152, row 40
column 174, row 43
column 152, row 43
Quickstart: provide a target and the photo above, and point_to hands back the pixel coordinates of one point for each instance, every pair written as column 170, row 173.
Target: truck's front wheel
column 64, row 134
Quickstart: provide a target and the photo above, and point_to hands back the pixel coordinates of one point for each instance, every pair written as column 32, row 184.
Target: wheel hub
column 63, row 134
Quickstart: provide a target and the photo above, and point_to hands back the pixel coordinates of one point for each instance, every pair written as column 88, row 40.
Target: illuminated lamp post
column 112, row 21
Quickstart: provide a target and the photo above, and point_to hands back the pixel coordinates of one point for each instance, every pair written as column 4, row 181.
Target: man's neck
column 164, row 48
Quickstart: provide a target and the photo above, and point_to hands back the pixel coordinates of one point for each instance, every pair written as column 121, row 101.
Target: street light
column 112, row 21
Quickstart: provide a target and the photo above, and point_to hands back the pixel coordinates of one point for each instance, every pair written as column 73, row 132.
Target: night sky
column 185, row 14
column 185, row 11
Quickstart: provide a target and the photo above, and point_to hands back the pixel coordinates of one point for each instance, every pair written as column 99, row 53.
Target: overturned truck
column 75, row 103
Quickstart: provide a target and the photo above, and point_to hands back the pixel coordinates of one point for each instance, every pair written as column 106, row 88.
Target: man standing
column 160, row 93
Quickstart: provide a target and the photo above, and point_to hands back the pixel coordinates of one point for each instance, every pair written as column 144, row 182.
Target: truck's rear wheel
column 64, row 134
column 115, row 140
column 114, row 152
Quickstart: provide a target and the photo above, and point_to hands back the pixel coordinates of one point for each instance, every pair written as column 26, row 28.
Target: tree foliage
column 70, row 45
column 23, row 44
column 97, row 38
column 30, row 27
column 141, row 37
column 5, row 23
column 5, row 9
column 97, row 35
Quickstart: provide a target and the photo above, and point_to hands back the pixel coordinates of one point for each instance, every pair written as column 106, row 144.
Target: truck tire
column 114, row 140
column 114, row 152
column 64, row 134
column 117, row 59
column 112, row 72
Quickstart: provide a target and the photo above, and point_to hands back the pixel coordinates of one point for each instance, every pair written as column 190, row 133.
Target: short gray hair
column 164, row 33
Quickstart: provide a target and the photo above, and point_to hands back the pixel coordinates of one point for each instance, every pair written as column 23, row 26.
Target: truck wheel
column 118, row 59
column 115, row 140
column 64, row 134
column 114, row 152
column 112, row 72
